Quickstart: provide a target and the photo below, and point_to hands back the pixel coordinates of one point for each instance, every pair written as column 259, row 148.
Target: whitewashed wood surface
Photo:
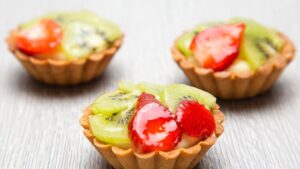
column 39, row 125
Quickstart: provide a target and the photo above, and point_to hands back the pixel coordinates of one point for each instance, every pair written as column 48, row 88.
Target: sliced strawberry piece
column 195, row 119
column 39, row 38
column 217, row 47
column 152, row 127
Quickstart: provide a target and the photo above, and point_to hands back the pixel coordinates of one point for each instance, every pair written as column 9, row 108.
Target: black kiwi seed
column 94, row 49
column 112, row 117
column 121, row 119
column 84, row 32
column 116, row 96
column 186, row 97
column 126, row 118
column 102, row 34
column 271, row 44
column 59, row 19
column 119, row 97
column 264, row 45
column 262, row 51
column 84, row 45
column 259, row 44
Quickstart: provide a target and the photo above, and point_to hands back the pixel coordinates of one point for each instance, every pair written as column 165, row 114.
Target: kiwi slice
column 173, row 94
column 111, row 30
column 184, row 41
column 114, row 102
column 259, row 43
column 112, row 128
column 81, row 39
column 256, row 51
column 154, row 89
column 84, row 33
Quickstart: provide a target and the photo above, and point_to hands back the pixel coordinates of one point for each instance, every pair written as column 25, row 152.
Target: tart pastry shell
column 232, row 85
column 183, row 158
column 61, row 72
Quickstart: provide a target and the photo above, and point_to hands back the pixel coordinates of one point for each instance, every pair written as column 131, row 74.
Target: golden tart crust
column 183, row 158
column 62, row 73
column 231, row 85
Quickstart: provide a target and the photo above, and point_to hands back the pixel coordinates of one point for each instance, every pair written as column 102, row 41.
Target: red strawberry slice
column 42, row 37
column 152, row 127
column 195, row 119
column 216, row 48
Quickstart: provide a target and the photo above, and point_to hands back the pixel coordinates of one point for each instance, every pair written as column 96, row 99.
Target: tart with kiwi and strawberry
column 65, row 48
column 236, row 59
column 151, row 126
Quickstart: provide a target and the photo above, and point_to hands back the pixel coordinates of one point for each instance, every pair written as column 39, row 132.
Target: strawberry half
column 41, row 37
column 195, row 119
column 152, row 127
column 216, row 48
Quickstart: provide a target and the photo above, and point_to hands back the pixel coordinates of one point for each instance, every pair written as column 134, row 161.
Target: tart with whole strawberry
column 143, row 126
column 236, row 59
column 65, row 48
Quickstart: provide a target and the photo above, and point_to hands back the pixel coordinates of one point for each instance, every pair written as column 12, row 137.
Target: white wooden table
column 39, row 126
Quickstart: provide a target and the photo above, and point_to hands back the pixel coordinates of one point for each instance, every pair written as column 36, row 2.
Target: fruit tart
column 236, row 59
column 65, row 48
column 150, row 126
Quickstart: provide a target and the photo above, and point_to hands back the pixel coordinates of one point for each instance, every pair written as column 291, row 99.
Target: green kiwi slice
column 110, row 29
column 173, row 94
column 184, row 42
column 259, row 43
column 112, row 128
column 256, row 51
column 114, row 102
column 111, row 114
column 80, row 40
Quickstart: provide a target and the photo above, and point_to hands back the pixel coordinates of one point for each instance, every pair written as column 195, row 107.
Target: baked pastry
column 236, row 59
column 65, row 48
column 143, row 126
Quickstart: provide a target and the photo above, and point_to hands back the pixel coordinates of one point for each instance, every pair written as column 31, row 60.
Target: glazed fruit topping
column 41, row 37
column 195, row 119
column 144, row 116
column 152, row 127
column 217, row 47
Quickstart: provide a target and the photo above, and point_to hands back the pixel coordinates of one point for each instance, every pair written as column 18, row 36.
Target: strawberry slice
column 195, row 119
column 152, row 127
column 217, row 47
column 41, row 37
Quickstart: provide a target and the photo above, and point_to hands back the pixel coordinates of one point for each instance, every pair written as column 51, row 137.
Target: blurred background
column 39, row 124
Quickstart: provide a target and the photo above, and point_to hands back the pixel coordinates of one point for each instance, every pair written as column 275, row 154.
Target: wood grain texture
column 39, row 125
